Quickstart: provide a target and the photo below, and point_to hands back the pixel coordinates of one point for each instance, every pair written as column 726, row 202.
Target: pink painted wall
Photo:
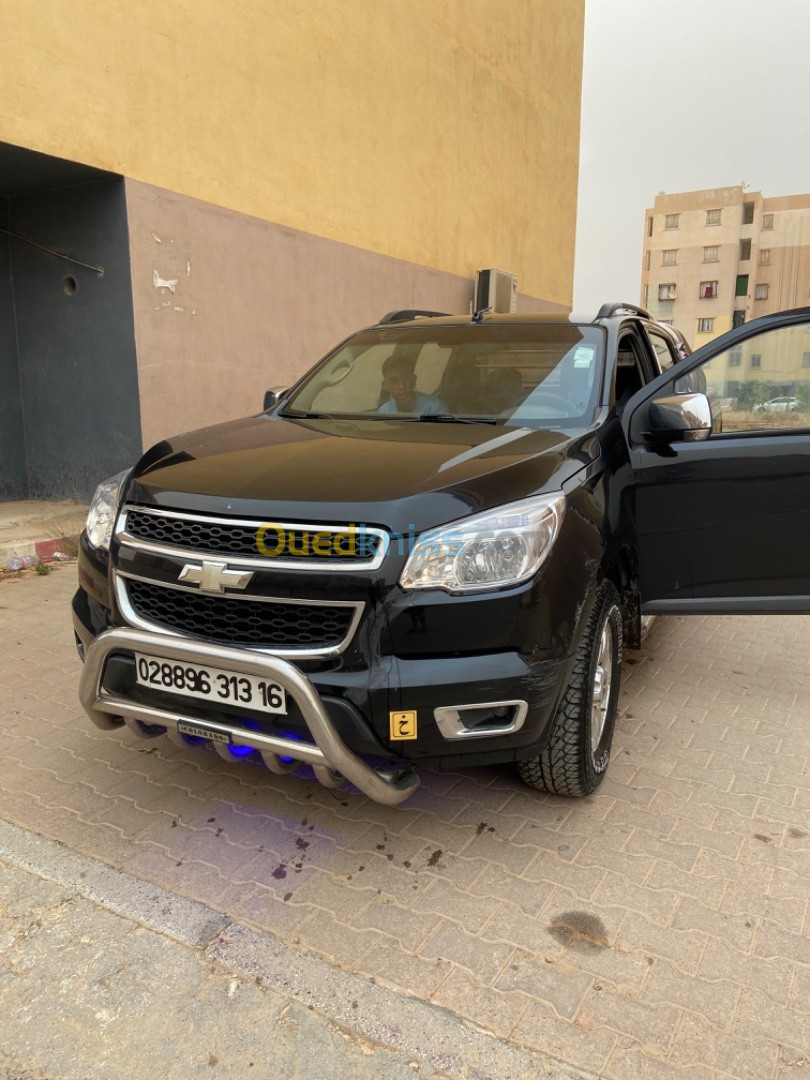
column 228, row 305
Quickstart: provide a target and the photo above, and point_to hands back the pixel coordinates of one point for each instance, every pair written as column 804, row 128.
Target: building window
column 761, row 292
column 666, row 292
column 646, row 299
column 671, row 221
column 737, row 318
column 708, row 290
column 647, row 261
column 669, row 258
column 713, row 217
column 745, row 250
column 741, row 288
column 649, row 226
column 748, row 213
column 668, row 322
column 735, row 356
column 705, row 326
column 806, row 359
column 765, row 256
column 756, row 360
column 711, row 254
column 767, row 221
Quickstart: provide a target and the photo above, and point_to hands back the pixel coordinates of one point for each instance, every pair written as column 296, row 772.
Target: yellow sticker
column 403, row 725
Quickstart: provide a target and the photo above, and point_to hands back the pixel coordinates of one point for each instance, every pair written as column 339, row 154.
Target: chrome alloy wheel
column 600, row 690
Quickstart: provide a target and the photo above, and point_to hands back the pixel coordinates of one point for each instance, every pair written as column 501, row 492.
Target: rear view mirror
column 273, row 397
column 680, row 418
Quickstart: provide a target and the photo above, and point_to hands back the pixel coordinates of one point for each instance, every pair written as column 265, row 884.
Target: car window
column 764, row 382
column 630, row 370
column 543, row 376
column 354, row 383
column 663, row 349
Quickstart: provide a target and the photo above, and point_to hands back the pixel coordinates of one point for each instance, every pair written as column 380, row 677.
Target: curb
column 45, row 550
column 360, row 1007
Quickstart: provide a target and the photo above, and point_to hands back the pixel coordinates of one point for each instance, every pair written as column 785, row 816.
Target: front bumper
column 480, row 676
column 330, row 758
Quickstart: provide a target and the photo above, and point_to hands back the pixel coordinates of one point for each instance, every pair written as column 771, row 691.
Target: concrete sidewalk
column 39, row 530
column 104, row 975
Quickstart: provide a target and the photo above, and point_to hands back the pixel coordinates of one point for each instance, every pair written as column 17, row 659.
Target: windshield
column 524, row 375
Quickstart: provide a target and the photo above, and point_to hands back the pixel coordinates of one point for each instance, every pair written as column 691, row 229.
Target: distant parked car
column 778, row 404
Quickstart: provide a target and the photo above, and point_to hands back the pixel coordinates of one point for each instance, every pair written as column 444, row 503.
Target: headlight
column 103, row 509
column 487, row 551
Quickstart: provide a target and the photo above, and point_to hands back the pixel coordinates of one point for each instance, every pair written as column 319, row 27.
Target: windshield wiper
column 297, row 415
column 433, row 418
column 448, row 418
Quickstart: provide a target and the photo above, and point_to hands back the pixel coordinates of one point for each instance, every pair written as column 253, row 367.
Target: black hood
column 393, row 473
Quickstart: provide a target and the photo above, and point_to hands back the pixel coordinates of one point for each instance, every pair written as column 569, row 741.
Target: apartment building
column 716, row 258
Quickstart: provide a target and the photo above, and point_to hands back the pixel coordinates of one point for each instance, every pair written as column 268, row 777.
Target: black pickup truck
column 431, row 550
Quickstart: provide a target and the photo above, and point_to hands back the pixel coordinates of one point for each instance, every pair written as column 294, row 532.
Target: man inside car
column 399, row 382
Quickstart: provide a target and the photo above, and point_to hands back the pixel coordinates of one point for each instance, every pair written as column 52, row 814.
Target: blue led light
column 244, row 751
column 240, row 751
column 289, row 735
column 253, row 725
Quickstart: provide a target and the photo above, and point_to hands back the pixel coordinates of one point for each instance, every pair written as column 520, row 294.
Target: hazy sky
column 679, row 95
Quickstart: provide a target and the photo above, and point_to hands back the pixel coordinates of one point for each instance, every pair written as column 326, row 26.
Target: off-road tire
column 568, row 765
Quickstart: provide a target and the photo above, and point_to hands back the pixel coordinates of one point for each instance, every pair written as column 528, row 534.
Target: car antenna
column 478, row 316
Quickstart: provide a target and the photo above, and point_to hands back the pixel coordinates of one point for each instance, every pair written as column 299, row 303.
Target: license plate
column 210, row 684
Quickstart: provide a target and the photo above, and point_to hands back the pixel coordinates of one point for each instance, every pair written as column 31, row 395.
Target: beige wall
column 228, row 305
column 788, row 274
column 441, row 133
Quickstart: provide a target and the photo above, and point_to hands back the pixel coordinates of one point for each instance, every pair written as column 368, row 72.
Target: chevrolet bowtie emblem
column 214, row 577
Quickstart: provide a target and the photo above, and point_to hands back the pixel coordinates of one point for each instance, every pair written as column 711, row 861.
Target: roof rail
column 606, row 310
column 407, row 314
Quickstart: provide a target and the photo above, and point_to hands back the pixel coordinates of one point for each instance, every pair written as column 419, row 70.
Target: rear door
column 723, row 525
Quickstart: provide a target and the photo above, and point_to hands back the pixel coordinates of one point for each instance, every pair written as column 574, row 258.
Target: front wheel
column 576, row 757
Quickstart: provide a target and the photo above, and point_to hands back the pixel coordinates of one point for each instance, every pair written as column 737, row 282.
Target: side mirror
column 680, row 418
column 273, row 397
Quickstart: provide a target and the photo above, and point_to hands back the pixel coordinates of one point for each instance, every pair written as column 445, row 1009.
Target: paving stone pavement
column 659, row 928
column 76, row 988
column 102, row 975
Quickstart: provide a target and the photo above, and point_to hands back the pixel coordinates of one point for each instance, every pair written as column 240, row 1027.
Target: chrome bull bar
column 330, row 758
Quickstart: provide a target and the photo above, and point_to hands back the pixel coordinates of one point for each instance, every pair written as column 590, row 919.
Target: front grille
column 228, row 621
column 221, row 537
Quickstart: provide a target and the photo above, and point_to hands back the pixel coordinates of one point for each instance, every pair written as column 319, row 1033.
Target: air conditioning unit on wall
column 495, row 289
